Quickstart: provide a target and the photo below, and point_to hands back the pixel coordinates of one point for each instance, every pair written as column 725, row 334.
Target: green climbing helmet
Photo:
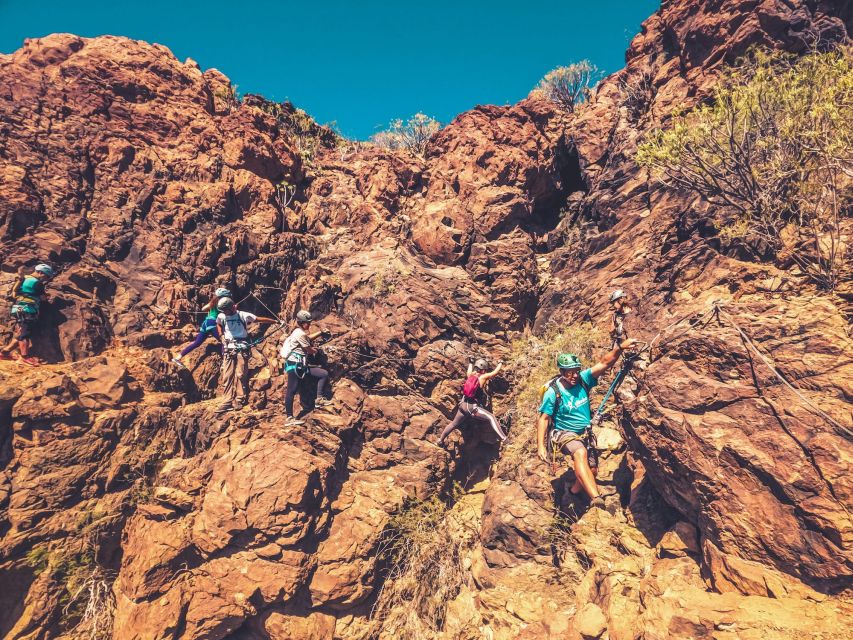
column 568, row 361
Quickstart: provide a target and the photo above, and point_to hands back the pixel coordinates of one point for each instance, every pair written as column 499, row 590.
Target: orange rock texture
column 148, row 185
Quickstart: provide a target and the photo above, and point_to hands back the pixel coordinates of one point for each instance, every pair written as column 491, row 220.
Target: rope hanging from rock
column 766, row 360
column 716, row 309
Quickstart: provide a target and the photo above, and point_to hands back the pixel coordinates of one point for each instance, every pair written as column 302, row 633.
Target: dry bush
column 412, row 135
column 424, row 547
column 93, row 603
column 772, row 151
column 534, row 364
column 86, row 587
column 637, row 92
column 569, row 86
column 284, row 194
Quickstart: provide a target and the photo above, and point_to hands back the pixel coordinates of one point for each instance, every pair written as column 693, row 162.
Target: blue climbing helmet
column 46, row 269
column 222, row 292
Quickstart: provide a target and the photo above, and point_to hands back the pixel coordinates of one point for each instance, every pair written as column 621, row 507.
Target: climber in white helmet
column 619, row 305
column 208, row 325
column 473, row 399
column 232, row 326
column 294, row 352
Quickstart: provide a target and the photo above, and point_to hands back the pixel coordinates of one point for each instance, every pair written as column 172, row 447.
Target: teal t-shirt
column 574, row 414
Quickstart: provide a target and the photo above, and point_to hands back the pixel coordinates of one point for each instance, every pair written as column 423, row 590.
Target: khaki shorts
column 573, row 442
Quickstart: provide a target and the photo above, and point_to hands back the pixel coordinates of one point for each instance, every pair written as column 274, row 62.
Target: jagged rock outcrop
column 148, row 184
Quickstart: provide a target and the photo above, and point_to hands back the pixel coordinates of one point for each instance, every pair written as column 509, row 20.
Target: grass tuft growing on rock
column 84, row 586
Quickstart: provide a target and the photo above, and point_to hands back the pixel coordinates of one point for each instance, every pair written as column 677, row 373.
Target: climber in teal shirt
column 574, row 401
column 571, row 416
column 27, row 293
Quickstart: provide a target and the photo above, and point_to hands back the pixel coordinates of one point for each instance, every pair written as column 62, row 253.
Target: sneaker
column 33, row 362
column 6, row 356
column 177, row 362
column 225, row 408
column 292, row 422
column 322, row 402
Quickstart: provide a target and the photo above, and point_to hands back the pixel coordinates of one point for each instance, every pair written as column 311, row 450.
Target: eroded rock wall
column 148, row 184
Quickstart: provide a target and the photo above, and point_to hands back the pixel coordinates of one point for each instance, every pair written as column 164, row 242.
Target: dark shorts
column 24, row 323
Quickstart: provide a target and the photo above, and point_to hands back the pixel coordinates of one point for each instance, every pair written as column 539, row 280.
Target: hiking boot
column 322, row 402
column 6, row 356
column 292, row 422
column 225, row 408
column 598, row 502
column 177, row 362
column 33, row 362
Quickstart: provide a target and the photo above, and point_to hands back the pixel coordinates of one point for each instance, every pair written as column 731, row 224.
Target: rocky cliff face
column 149, row 185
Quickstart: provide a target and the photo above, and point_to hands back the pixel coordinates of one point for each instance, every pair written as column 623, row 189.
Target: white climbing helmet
column 616, row 295
column 46, row 269
column 303, row 316
column 225, row 304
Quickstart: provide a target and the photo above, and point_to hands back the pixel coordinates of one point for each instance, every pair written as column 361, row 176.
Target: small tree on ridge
column 569, row 86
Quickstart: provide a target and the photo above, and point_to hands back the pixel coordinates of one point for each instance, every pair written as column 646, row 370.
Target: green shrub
column 773, row 150
column 569, row 86
column 38, row 558
column 412, row 135
column 229, row 96
column 302, row 130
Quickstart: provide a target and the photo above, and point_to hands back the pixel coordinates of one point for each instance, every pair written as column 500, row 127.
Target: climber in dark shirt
column 619, row 304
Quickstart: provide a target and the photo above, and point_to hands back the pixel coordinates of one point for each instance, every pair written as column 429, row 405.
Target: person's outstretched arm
column 265, row 320
column 491, row 374
column 13, row 292
column 610, row 358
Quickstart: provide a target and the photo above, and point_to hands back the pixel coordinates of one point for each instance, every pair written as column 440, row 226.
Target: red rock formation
column 148, row 184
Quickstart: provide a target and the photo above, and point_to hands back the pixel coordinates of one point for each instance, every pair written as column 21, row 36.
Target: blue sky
column 360, row 64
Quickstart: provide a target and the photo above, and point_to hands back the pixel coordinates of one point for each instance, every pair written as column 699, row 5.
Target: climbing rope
column 769, row 363
column 700, row 320
column 696, row 317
